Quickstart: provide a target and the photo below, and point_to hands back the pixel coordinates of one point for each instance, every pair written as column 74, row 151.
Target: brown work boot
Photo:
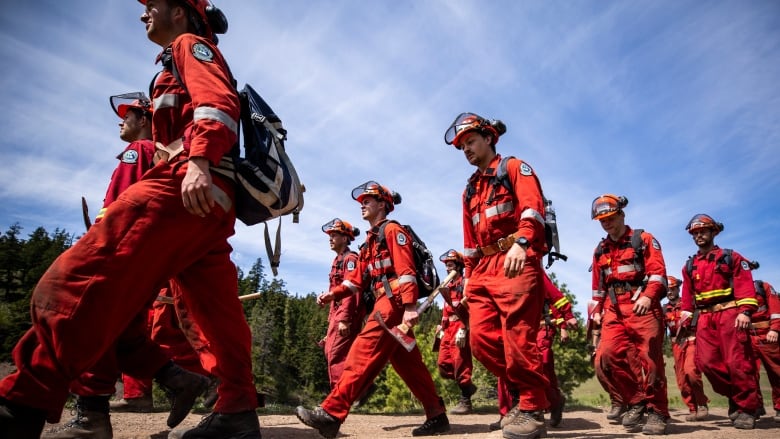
column 91, row 421
column 242, row 425
column 463, row 407
column 616, row 412
column 136, row 405
column 656, row 424
column 506, row 420
column 526, row 425
column 777, row 415
column 702, row 413
column 433, row 426
column 634, row 416
column 319, row 419
column 20, row 422
column 744, row 421
column 182, row 388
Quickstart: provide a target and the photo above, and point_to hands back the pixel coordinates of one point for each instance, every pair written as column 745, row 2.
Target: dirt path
column 580, row 423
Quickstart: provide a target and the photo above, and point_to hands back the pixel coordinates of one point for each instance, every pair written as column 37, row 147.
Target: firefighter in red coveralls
column 454, row 360
column 629, row 279
column 94, row 388
column 557, row 314
column 683, row 340
column 504, row 241
column 346, row 315
column 766, row 327
column 718, row 298
column 173, row 223
column 389, row 263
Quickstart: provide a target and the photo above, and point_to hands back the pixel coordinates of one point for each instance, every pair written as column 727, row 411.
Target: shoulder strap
column 689, row 267
column 639, row 249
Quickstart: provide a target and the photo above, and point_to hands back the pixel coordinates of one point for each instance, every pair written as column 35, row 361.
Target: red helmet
column 122, row 103
column 672, row 281
column 607, row 205
column 337, row 225
column 452, row 256
column 466, row 122
column 210, row 20
column 703, row 221
column 375, row 189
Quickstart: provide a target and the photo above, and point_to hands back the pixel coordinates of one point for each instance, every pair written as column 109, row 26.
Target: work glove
column 685, row 319
column 461, row 337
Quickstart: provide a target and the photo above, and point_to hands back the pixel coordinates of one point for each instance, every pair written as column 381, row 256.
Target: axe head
column 397, row 333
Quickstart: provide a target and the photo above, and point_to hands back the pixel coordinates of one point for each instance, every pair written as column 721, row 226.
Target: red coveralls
column 688, row 376
column 349, row 310
column 504, row 313
column 559, row 313
column 615, row 270
column 89, row 295
column 374, row 347
column 454, row 363
column 723, row 353
column 765, row 319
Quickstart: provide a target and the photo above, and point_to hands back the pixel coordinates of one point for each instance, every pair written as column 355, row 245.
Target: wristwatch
column 747, row 313
column 522, row 242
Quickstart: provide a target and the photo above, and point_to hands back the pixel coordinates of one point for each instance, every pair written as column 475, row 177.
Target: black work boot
column 556, row 413
column 635, row 416
column 183, row 388
column 211, row 395
column 526, row 425
column 319, row 419
column 91, row 421
column 616, row 412
column 435, row 425
column 243, row 425
column 20, row 422
column 495, row 426
column 656, row 424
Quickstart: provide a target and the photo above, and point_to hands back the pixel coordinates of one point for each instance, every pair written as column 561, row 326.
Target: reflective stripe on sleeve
column 350, row 285
column 407, row 279
column 166, row 100
column 212, row 113
column 470, row 252
column 530, row 213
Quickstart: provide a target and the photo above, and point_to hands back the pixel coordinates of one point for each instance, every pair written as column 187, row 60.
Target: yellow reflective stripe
column 101, row 213
column 747, row 301
column 560, row 302
column 713, row 293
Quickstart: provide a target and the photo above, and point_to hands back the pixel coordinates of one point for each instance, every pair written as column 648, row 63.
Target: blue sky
column 674, row 104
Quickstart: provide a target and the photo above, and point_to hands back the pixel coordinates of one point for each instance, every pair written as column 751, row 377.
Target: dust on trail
column 578, row 423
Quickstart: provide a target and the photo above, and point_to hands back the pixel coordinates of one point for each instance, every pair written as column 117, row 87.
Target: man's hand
column 514, row 261
column 196, row 187
column 596, row 318
column 685, row 319
column 343, row 329
column 742, row 321
column 642, row 305
column 325, row 298
column 771, row 336
column 410, row 314
column 564, row 335
column 572, row 323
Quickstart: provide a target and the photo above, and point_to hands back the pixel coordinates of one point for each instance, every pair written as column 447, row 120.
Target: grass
column 591, row 394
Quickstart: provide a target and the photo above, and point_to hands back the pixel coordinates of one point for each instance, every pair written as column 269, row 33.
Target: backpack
column 550, row 223
column 639, row 250
column 725, row 258
column 424, row 267
column 267, row 185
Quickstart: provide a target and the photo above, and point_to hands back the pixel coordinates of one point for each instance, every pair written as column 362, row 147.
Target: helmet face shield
column 336, row 225
column 606, row 205
column 703, row 221
column 460, row 126
column 121, row 103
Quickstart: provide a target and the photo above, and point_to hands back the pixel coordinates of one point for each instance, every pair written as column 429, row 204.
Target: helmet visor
column 603, row 207
column 121, row 103
column 368, row 188
column 461, row 124
column 334, row 225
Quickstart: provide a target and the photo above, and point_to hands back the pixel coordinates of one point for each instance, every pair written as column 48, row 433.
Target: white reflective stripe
column 212, row 113
column 475, row 219
column 626, row 268
column 498, row 209
column 530, row 213
column 407, row 279
column 656, row 278
column 166, row 100
column 598, row 293
column 607, row 271
column 350, row 285
column 774, row 316
column 470, row 252
column 384, row 263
